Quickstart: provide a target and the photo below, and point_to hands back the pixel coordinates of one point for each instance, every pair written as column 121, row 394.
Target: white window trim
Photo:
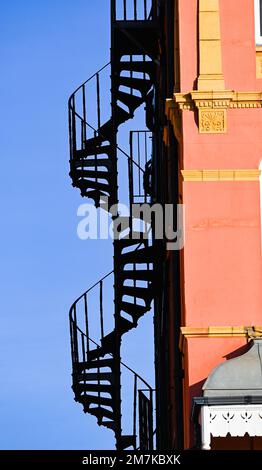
column 235, row 420
column 257, row 23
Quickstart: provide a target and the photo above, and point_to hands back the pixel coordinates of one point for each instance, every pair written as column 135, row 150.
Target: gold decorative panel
column 212, row 121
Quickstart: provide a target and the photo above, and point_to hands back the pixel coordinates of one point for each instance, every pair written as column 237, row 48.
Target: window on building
column 258, row 21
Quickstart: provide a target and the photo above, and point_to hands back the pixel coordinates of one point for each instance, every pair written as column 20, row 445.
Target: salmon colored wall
column 238, row 44
column 207, row 354
column 240, row 147
column 218, row 349
column 221, row 261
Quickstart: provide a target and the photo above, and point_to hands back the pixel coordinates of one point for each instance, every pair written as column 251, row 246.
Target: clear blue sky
column 47, row 48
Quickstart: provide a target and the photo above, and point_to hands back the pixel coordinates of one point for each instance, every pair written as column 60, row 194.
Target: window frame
column 258, row 22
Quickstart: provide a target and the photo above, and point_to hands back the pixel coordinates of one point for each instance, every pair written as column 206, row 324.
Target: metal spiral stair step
column 142, row 66
column 124, row 326
column 95, row 376
column 143, row 85
column 88, row 387
column 101, row 413
column 91, row 149
column 101, row 351
column 106, row 130
column 131, row 101
column 136, row 311
column 79, row 173
column 87, row 400
column 95, row 195
column 138, row 292
column 85, row 184
column 108, row 342
column 109, row 424
column 144, row 255
column 139, row 275
column 92, row 163
column 101, row 363
column 126, row 242
column 94, row 142
column 121, row 115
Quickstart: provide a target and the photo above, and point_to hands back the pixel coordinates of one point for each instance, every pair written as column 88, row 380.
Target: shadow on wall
column 238, row 352
column 196, row 391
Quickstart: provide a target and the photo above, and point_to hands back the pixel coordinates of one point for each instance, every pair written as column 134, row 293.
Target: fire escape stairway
column 95, row 368
column 134, row 301
column 93, row 378
column 93, row 169
column 94, row 365
column 93, row 160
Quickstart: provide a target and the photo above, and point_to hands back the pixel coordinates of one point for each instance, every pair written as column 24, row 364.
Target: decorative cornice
column 222, row 331
column 215, row 100
column 221, row 175
column 211, row 107
column 211, row 100
column 218, row 332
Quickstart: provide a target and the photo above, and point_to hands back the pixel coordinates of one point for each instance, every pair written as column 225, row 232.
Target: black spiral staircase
column 93, row 159
column 95, row 369
column 93, row 169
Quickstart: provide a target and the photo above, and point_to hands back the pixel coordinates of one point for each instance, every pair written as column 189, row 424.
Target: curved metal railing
column 82, row 343
column 80, row 128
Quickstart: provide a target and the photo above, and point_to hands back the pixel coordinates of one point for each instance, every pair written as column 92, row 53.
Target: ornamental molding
column 226, row 99
column 233, row 420
column 211, row 100
column 211, row 107
column 248, row 332
column 221, row 331
column 221, row 175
